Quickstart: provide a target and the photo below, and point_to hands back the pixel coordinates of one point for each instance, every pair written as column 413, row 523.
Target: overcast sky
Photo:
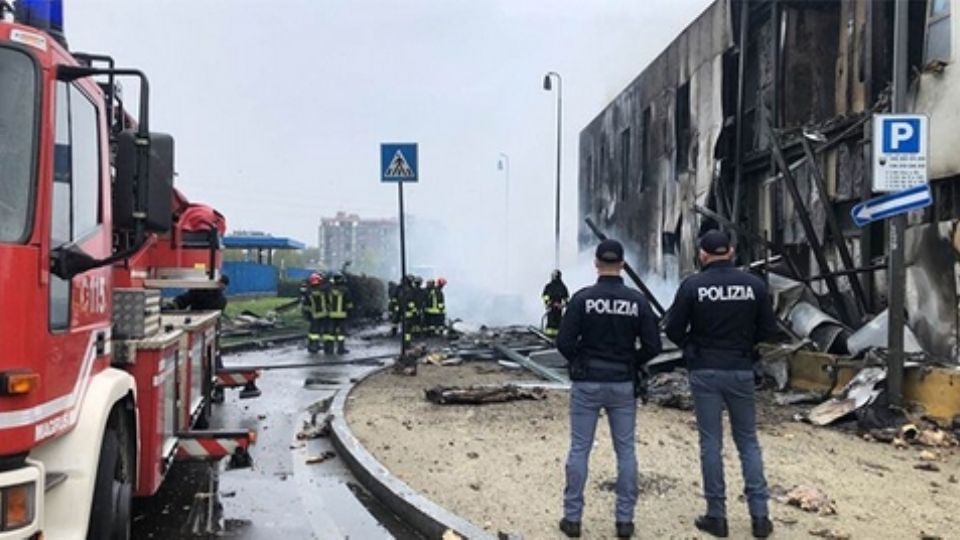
column 278, row 107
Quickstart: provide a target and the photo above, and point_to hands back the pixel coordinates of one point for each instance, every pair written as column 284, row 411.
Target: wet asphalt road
column 280, row 496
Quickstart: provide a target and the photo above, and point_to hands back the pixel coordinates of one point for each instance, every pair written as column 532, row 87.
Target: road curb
column 425, row 516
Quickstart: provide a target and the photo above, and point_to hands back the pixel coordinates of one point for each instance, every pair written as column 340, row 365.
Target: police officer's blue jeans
column 586, row 400
column 712, row 390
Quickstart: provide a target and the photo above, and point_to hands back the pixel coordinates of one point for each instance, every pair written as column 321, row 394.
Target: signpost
column 901, row 144
column 398, row 163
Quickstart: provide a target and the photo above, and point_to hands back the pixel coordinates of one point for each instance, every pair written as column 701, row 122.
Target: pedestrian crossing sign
column 398, row 162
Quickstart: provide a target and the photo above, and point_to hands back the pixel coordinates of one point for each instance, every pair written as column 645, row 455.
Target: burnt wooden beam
column 815, row 246
column 845, row 257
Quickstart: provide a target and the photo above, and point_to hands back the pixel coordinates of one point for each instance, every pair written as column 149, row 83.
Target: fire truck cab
column 90, row 418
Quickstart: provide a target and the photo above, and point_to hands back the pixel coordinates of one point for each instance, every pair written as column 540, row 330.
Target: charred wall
column 697, row 129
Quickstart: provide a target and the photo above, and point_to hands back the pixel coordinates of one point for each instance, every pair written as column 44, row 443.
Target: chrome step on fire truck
column 100, row 391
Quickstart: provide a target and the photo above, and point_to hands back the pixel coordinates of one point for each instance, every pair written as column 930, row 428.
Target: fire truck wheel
column 110, row 514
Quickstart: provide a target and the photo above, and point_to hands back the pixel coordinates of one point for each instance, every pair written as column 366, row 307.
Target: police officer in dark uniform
column 598, row 337
column 718, row 316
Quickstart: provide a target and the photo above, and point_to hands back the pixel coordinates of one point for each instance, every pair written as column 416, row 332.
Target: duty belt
column 698, row 350
column 607, row 365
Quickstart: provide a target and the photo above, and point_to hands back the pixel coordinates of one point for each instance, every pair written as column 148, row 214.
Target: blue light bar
column 41, row 14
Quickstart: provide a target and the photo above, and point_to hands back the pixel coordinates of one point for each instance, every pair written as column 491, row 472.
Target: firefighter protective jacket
column 316, row 301
column 555, row 292
column 338, row 302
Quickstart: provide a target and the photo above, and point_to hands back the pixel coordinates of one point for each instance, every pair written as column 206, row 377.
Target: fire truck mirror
column 144, row 182
column 69, row 260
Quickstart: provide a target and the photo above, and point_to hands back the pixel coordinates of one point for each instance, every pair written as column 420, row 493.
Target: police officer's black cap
column 715, row 242
column 610, row 251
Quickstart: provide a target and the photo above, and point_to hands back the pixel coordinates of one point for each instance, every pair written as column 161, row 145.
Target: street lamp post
column 504, row 165
column 548, row 86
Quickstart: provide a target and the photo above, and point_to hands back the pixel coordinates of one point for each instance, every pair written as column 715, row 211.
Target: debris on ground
column 671, row 389
column 916, row 433
column 927, row 466
column 478, row 395
column 450, row 535
column 774, row 362
column 830, row 534
column 436, row 358
column 314, row 430
column 796, row 398
column 313, row 460
column 858, row 393
column 806, row 498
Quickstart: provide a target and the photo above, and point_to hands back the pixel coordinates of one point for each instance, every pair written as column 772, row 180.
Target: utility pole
column 896, row 275
column 556, row 215
column 504, row 165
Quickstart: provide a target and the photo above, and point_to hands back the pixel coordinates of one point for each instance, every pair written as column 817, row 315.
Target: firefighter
column 408, row 302
column 393, row 306
column 419, row 300
column 442, row 301
column 433, row 309
column 314, row 307
column 555, row 296
column 718, row 317
column 338, row 309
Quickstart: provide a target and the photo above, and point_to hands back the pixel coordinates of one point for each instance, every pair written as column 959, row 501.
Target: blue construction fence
column 250, row 278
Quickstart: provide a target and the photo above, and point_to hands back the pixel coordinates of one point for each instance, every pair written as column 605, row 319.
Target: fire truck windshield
column 18, row 109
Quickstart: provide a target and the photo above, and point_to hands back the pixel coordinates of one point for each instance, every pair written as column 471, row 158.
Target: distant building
column 369, row 245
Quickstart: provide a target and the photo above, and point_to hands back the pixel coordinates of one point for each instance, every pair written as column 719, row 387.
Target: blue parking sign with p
column 901, row 135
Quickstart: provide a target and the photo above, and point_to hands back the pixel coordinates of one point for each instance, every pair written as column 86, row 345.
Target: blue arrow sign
column 398, row 162
column 891, row 205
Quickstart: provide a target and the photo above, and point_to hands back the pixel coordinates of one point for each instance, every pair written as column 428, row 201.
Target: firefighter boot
column 342, row 347
column 313, row 346
column 328, row 346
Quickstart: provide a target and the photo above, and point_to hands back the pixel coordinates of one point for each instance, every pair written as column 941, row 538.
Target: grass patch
column 289, row 319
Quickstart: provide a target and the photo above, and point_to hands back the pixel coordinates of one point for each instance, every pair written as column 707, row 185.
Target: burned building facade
column 757, row 119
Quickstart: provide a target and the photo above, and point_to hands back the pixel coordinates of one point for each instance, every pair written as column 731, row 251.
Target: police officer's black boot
column 713, row 525
column 762, row 526
column 570, row 528
column 624, row 529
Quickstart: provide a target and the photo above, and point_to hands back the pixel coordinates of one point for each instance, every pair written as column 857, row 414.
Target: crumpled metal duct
column 796, row 304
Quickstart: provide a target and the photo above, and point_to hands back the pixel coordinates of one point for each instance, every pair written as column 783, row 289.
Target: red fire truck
column 100, row 391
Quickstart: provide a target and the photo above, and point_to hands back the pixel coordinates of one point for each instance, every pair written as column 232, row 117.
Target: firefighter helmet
column 315, row 279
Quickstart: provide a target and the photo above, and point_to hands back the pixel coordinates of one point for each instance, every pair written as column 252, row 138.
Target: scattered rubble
column 927, row 466
column 859, row 392
column 671, row 389
column 313, row 460
column 806, row 498
column 830, row 534
column 314, row 430
column 478, row 395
